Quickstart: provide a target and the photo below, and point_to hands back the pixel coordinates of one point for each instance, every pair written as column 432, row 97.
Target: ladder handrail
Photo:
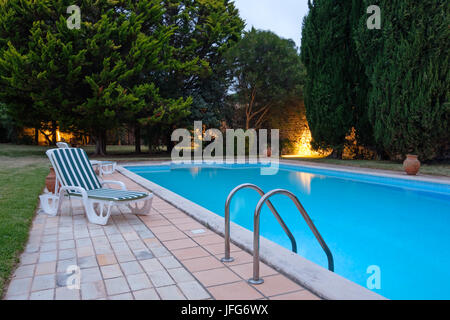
column 293, row 197
column 227, row 257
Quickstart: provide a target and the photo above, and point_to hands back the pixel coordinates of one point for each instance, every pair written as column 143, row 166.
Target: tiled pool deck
column 165, row 255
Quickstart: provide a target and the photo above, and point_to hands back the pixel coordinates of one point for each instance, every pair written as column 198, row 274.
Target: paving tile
column 43, row 282
column 125, row 256
column 160, row 251
column 24, row 271
column 220, row 248
column 67, row 294
column 139, row 281
column 180, row 244
column 45, row 268
column 240, row 257
column 48, row 256
column 106, row 259
column 151, row 265
column 116, row 286
column 19, row 286
column 87, row 262
column 136, row 244
column 169, row 262
column 245, row 271
column 170, row 293
column 123, row 296
column 93, row 290
column 235, row 291
column 209, row 239
column 144, row 254
column 84, row 242
column 51, row 246
column 62, row 265
column 96, row 232
column 160, row 278
column 66, row 244
column 67, row 254
column 163, row 229
column 180, row 275
column 174, row 235
column 43, row 295
column 190, row 253
column 203, row 263
column 193, row 290
column 111, row 271
column 147, row 294
column 132, row 267
column 29, row 258
column 116, row 238
column 298, row 295
column 85, row 251
column 132, row 235
column 91, row 275
column 216, row 276
column 277, row 284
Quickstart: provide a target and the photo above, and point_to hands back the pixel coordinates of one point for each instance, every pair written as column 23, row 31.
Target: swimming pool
column 400, row 226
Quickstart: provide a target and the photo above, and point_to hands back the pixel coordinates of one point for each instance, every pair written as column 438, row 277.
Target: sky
column 284, row 17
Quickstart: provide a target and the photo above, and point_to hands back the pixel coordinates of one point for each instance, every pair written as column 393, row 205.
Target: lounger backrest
column 62, row 145
column 72, row 167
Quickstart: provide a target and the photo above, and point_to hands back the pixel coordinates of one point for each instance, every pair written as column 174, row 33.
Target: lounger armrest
column 119, row 183
column 78, row 189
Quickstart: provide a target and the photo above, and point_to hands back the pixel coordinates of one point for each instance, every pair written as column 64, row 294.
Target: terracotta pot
column 51, row 180
column 411, row 164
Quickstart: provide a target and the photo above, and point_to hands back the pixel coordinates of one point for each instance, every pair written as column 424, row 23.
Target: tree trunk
column 137, row 139
column 54, row 129
column 36, row 136
column 100, row 144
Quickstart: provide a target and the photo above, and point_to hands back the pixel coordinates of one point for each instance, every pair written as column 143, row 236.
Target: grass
column 22, row 179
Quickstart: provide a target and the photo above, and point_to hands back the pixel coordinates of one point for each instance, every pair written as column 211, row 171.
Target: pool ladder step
column 265, row 198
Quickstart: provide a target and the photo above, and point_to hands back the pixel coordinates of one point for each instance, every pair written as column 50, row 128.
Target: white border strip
column 320, row 281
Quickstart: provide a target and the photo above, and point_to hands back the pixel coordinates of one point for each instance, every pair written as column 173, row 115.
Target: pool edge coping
column 318, row 280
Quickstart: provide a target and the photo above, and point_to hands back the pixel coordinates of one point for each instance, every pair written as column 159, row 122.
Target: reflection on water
column 303, row 179
column 194, row 171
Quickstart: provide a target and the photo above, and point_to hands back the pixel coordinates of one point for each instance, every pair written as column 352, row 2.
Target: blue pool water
column 401, row 226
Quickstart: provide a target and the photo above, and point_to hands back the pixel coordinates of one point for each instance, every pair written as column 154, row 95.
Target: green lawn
column 21, row 181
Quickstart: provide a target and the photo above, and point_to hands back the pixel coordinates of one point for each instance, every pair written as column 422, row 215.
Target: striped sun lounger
column 77, row 178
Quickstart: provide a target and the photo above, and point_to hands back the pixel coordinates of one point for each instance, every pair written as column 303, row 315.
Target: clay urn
column 411, row 164
column 51, row 180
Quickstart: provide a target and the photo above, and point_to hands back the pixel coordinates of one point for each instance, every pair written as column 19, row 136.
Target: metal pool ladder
column 256, row 230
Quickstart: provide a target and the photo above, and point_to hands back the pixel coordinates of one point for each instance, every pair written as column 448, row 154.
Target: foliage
column 336, row 86
column 90, row 79
column 407, row 62
column 267, row 74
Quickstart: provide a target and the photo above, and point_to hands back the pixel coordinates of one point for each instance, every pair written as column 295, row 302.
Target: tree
column 267, row 72
column 407, row 63
column 204, row 31
column 94, row 78
column 336, row 86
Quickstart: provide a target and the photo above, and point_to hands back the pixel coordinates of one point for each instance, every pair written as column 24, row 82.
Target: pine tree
column 407, row 62
column 94, row 78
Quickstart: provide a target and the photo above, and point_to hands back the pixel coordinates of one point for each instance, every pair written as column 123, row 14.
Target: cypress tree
column 335, row 90
column 407, row 62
